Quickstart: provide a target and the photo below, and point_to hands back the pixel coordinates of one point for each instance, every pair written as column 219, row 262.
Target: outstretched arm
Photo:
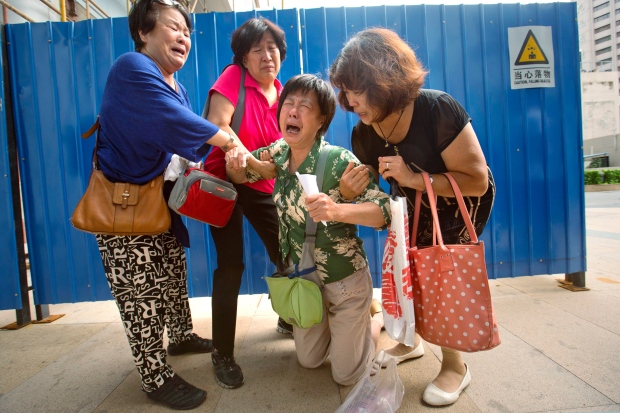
column 238, row 162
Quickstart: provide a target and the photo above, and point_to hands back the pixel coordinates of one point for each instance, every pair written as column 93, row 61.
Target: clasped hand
column 322, row 208
column 353, row 181
column 237, row 160
column 356, row 179
column 394, row 167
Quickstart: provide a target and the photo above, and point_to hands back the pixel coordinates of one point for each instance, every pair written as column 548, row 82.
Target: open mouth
column 292, row 129
column 179, row 51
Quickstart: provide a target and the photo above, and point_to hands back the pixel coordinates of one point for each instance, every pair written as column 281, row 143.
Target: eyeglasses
column 170, row 3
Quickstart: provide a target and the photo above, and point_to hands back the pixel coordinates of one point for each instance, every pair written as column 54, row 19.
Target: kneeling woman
column 348, row 335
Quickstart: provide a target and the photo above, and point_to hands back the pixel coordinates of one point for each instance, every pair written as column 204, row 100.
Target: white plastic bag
column 380, row 393
column 396, row 284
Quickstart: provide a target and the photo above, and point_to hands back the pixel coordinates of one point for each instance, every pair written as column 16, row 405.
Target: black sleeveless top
column 437, row 120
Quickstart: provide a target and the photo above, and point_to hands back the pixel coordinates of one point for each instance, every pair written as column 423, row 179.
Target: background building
column 599, row 44
column 600, row 105
column 599, row 24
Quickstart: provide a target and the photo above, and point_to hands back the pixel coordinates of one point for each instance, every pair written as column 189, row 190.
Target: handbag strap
column 432, row 200
column 320, row 173
column 433, row 207
column 307, row 251
column 88, row 134
column 239, row 109
column 459, row 198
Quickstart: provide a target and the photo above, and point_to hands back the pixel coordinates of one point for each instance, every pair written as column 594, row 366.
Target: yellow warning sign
column 531, row 52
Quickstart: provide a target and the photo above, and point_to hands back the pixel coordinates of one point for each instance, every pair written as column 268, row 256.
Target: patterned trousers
column 147, row 275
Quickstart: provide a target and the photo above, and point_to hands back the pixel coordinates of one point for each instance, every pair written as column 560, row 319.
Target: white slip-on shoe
column 400, row 353
column 437, row 397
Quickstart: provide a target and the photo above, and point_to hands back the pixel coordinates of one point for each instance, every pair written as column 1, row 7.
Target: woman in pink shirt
column 259, row 48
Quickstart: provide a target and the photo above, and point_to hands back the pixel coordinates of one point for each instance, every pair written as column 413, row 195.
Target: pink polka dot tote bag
column 453, row 305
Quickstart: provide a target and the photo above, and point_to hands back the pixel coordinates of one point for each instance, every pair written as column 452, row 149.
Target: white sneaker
column 400, row 353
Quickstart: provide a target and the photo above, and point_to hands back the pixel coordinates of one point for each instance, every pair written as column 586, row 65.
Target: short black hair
column 250, row 32
column 144, row 15
column 324, row 94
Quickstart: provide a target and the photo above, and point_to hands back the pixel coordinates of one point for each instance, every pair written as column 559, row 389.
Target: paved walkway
column 560, row 352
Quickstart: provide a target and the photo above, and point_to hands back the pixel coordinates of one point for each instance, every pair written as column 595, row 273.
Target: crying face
column 300, row 119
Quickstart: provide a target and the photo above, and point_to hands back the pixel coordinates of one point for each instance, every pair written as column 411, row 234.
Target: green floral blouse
column 338, row 251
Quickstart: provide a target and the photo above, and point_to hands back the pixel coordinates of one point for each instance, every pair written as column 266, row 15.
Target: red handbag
column 453, row 305
column 201, row 196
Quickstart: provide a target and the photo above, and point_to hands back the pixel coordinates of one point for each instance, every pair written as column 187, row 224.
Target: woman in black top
column 404, row 130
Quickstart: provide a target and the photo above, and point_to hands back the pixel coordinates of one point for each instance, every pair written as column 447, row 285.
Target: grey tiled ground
column 560, row 352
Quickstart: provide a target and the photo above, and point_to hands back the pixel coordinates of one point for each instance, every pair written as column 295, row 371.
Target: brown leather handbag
column 120, row 208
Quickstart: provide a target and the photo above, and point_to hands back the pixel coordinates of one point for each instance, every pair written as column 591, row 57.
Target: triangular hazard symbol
column 531, row 52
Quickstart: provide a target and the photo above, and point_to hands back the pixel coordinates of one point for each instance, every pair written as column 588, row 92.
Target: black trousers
column 260, row 211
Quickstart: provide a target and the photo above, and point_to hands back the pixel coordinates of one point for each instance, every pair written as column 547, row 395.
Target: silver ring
column 387, row 166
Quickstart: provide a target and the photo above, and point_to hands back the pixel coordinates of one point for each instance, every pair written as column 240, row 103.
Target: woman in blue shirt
column 146, row 117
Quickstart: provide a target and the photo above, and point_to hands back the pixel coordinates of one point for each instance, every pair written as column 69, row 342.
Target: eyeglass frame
column 169, row 3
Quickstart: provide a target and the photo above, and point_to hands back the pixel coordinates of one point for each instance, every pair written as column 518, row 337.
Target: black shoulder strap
column 239, row 109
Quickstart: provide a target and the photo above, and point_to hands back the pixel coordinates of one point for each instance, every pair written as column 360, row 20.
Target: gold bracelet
column 225, row 148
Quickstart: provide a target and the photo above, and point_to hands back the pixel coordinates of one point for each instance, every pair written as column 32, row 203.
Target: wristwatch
column 225, row 148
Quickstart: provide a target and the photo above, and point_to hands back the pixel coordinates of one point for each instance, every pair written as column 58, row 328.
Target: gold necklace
column 387, row 144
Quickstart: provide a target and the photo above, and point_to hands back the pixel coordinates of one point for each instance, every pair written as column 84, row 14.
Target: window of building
column 601, row 18
column 603, row 28
column 605, row 50
column 602, row 39
column 604, row 65
column 601, row 6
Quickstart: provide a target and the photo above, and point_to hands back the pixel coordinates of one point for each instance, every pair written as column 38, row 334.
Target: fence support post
column 23, row 316
column 575, row 281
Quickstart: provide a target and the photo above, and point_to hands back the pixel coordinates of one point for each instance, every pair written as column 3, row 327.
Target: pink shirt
column 259, row 126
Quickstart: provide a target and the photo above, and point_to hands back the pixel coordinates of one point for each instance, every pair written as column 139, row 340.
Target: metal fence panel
column 531, row 138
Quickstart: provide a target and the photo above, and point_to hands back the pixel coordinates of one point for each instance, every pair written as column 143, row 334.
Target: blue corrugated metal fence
column 531, row 138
